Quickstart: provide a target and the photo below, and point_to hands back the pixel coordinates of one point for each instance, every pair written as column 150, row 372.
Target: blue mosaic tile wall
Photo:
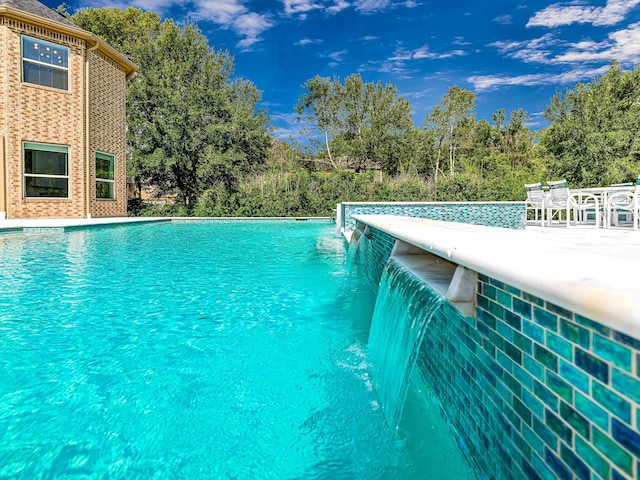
column 534, row 391
column 373, row 254
column 492, row 214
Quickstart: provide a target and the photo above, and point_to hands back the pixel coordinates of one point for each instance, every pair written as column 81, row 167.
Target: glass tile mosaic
column 494, row 214
column 551, row 391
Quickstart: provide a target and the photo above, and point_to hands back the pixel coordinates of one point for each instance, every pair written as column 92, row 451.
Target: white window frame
column 45, row 147
column 44, row 44
column 112, row 158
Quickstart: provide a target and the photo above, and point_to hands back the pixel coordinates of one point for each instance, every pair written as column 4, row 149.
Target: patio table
column 602, row 193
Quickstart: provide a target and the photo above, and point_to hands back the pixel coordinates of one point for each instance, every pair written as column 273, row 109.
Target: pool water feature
column 404, row 307
column 197, row 350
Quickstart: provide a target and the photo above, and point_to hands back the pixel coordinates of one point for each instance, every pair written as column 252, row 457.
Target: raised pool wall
column 492, row 214
column 531, row 389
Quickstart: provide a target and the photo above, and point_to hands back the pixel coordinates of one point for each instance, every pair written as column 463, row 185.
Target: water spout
column 404, row 307
column 354, row 243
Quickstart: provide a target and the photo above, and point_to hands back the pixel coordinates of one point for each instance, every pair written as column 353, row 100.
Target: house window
column 46, row 170
column 105, row 178
column 45, row 63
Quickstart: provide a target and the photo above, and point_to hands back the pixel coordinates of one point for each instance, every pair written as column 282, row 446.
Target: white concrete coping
column 589, row 271
column 62, row 223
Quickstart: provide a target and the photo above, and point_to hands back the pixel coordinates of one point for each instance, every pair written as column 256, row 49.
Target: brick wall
column 40, row 114
column 107, row 119
column 32, row 113
column 3, row 119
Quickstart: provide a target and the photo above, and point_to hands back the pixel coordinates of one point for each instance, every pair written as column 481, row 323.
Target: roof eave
column 129, row 67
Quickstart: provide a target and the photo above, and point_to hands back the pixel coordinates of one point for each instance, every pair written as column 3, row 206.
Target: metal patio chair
column 535, row 200
column 624, row 202
column 562, row 200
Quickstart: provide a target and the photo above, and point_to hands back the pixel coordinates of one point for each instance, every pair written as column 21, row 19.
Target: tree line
column 195, row 130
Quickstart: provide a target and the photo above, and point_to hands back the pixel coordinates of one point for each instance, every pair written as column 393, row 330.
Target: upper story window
column 46, row 170
column 105, row 178
column 45, row 63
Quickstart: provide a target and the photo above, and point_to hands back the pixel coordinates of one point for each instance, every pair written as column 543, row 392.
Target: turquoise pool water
column 197, row 350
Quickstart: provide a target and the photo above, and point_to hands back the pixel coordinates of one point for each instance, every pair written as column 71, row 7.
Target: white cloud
column 402, row 55
column 622, row 45
column 396, row 68
column 337, row 6
column 219, row 11
column 155, row 5
column 293, row 7
column 287, row 125
column 336, row 57
column 537, row 50
column 503, row 19
column 301, row 8
column 368, row 6
column 309, row 41
column 492, row 82
column 425, row 53
column 397, row 64
column 229, row 14
column 233, row 15
column 566, row 14
column 250, row 25
column 421, row 93
column 460, row 41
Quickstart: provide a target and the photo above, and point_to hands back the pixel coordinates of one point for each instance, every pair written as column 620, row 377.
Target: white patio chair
column 535, row 200
column 561, row 199
column 624, row 202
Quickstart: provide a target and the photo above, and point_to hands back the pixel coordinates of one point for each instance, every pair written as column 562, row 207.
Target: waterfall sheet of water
column 404, row 307
column 354, row 243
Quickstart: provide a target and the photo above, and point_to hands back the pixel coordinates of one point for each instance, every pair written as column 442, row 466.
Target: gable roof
column 34, row 12
column 36, row 8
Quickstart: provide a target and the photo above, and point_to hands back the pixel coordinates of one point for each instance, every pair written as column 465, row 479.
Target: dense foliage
column 594, row 137
column 195, row 131
column 190, row 124
column 361, row 122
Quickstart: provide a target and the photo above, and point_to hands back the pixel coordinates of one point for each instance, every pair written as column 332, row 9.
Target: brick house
column 62, row 117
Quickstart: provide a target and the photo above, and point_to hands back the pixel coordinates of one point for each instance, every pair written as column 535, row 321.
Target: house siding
column 107, row 132
column 32, row 113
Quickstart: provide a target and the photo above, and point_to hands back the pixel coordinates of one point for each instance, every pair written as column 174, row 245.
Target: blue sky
column 510, row 54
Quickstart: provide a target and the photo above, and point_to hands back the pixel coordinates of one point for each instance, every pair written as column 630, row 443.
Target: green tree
column 125, row 30
column 594, row 137
column 446, row 120
column 318, row 107
column 360, row 120
column 378, row 120
column 190, row 125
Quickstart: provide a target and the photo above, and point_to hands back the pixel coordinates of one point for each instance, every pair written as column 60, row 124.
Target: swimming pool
column 197, row 350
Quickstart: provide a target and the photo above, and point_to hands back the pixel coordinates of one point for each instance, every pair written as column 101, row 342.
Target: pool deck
column 62, row 223
column 589, row 271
